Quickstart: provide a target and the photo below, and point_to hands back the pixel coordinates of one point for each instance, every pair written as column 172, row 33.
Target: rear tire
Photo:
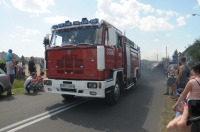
column 1, row 90
column 113, row 97
column 68, row 97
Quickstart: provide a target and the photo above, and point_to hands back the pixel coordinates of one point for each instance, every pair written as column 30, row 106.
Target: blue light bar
column 76, row 23
column 94, row 21
column 61, row 25
column 54, row 27
column 67, row 23
column 84, row 21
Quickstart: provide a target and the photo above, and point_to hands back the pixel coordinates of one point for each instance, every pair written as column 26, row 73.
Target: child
column 39, row 81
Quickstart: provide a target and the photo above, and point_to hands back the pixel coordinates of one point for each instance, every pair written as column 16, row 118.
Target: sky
column 158, row 27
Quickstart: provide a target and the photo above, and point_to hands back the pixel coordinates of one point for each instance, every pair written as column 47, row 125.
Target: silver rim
column 116, row 91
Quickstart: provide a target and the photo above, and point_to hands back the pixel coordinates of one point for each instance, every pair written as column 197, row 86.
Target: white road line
column 48, row 113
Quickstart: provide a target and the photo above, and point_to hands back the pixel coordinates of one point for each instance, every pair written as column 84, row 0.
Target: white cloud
column 27, row 32
column 188, row 36
column 181, row 21
column 152, row 23
column 160, row 12
column 33, row 6
column 168, row 35
column 171, row 13
column 56, row 19
column 198, row 2
column 129, row 14
column 156, row 40
column 27, row 40
column 3, row 3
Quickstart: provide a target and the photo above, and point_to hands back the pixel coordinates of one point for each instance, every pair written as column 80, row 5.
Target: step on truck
column 90, row 58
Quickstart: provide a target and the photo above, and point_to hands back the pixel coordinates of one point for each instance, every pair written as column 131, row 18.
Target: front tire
column 113, row 96
column 68, row 97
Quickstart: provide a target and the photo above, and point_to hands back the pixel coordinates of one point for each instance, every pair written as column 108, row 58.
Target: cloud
column 181, row 21
column 156, row 40
column 171, row 13
column 168, row 35
column 3, row 3
column 198, row 2
column 134, row 14
column 27, row 40
column 152, row 23
column 56, row 19
column 33, row 6
column 188, row 36
column 27, row 32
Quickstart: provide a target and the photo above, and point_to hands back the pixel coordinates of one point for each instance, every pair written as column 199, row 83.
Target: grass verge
column 167, row 114
column 18, row 86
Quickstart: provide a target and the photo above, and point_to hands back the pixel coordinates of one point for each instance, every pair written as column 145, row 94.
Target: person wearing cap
column 10, row 70
column 9, row 55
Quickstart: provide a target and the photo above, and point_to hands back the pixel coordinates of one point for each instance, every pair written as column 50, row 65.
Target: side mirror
column 46, row 41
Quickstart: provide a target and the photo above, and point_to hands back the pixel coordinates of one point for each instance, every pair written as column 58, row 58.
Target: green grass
column 167, row 114
column 18, row 86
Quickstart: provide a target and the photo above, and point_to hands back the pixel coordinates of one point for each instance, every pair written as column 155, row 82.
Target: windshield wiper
column 84, row 44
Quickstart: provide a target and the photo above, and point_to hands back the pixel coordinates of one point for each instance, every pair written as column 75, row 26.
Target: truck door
column 128, row 56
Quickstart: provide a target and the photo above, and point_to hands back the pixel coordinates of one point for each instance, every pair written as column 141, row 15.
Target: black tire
column 1, row 90
column 113, row 96
column 135, row 81
column 68, row 97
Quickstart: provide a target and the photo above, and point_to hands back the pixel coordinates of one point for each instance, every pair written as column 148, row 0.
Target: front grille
column 70, row 65
column 68, row 90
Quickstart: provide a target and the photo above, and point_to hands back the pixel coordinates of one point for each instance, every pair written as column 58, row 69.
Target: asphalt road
column 138, row 110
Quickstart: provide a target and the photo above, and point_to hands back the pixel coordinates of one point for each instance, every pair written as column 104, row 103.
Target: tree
column 193, row 50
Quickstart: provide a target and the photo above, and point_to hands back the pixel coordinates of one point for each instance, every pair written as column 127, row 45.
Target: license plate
column 68, row 86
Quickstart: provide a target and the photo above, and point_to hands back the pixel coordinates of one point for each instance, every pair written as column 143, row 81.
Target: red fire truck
column 90, row 58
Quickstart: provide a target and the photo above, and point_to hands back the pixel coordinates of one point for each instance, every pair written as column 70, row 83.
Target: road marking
column 48, row 114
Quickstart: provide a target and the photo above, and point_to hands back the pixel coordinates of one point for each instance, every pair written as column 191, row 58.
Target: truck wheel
column 135, row 81
column 68, row 97
column 1, row 90
column 113, row 96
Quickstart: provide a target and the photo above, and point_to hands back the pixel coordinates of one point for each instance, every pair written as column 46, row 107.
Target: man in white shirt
column 29, row 84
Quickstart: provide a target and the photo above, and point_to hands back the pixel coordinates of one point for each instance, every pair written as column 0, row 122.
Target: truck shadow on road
column 130, row 114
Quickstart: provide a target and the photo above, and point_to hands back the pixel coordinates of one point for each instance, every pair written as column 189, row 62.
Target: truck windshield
column 76, row 36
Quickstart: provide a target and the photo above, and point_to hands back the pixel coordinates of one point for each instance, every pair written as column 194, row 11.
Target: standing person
column 171, row 77
column 183, row 75
column 42, row 66
column 9, row 55
column 11, row 73
column 192, row 89
column 31, row 65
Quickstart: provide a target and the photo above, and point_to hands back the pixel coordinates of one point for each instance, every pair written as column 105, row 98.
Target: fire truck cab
column 90, row 59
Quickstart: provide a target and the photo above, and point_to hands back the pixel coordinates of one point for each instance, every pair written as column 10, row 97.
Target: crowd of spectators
column 185, row 84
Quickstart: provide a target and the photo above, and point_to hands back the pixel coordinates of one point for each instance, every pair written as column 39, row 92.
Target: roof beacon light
column 76, row 23
column 54, row 27
column 84, row 21
column 67, row 23
column 94, row 21
column 61, row 25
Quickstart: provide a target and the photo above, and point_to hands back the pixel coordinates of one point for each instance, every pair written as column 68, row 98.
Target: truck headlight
column 92, row 85
column 48, row 82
